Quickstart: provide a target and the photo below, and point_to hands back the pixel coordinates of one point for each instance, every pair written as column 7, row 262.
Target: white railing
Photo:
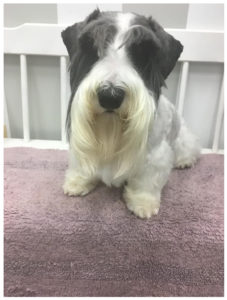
column 45, row 39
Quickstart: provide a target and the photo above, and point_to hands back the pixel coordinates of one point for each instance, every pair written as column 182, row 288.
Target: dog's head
column 118, row 64
column 149, row 48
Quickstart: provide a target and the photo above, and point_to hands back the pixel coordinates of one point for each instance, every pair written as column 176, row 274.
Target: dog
column 121, row 129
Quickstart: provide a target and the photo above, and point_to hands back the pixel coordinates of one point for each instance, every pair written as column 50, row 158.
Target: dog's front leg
column 76, row 182
column 143, row 191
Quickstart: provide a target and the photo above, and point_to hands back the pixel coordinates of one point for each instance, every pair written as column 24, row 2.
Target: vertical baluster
column 24, row 97
column 219, row 118
column 6, row 118
column 182, row 85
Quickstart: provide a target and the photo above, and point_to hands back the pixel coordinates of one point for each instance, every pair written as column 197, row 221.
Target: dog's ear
column 70, row 34
column 93, row 16
column 169, row 48
column 70, row 38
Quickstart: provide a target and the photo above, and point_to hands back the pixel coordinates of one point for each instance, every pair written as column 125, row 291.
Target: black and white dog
column 121, row 129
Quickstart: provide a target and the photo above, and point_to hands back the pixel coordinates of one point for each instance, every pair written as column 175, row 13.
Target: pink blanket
column 93, row 246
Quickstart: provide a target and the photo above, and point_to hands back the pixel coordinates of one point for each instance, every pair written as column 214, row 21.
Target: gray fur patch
column 99, row 33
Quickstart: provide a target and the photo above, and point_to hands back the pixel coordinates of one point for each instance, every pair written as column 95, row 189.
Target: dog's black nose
column 110, row 97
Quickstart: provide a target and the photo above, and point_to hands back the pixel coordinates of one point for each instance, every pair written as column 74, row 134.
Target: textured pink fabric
column 93, row 246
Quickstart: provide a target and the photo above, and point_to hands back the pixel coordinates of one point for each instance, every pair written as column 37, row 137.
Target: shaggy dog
column 121, row 129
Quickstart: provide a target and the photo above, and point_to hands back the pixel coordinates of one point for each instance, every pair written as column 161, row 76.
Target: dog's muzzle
column 110, row 97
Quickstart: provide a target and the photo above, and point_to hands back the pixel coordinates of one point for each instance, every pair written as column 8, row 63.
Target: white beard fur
column 168, row 144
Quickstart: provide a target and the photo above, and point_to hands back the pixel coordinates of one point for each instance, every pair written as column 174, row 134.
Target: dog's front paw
column 185, row 162
column 74, row 189
column 142, row 204
column 76, row 185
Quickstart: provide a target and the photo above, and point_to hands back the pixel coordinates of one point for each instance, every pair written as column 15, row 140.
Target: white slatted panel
column 45, row 39
column 34, row 39
column 24, row 97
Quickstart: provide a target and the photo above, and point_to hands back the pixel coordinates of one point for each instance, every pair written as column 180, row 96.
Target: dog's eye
column 140, row 53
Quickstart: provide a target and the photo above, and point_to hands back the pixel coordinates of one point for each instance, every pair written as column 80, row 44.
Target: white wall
column 168, row 15
column 209, row 16
column 17, row 14
column 71, row 13
column 204, row 79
